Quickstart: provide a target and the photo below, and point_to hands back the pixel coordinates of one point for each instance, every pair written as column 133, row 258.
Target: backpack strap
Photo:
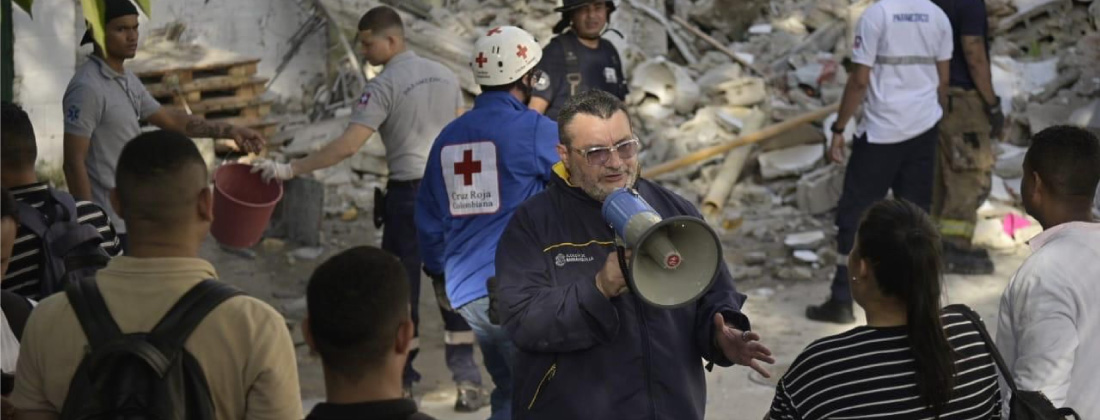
column 180, row 321
column 976, row 319
column 31, row 218
column 95, row 319
column 66, row 203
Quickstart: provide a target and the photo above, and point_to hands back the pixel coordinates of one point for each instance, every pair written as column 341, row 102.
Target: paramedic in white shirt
column 902, row 54
column 1049, row 325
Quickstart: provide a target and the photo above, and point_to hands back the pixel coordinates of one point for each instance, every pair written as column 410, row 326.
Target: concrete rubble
column 774, row 60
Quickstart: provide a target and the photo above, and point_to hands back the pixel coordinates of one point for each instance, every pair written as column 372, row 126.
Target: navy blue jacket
column 581, row 355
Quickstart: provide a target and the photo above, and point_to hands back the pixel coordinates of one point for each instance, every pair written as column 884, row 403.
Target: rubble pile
column 704, row 72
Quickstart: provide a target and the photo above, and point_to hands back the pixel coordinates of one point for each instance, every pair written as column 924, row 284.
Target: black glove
column 996, row 119
column 439, row 284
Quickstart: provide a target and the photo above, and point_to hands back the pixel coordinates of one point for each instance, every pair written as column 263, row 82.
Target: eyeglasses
column 598, row 156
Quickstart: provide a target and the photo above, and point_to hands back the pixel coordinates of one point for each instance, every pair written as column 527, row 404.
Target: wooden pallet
column 254, row 107
column 208, row 88
column 265, row 126
column 240, row 69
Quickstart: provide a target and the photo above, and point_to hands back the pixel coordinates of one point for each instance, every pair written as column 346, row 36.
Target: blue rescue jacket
column 583, row 356
column 481, row 167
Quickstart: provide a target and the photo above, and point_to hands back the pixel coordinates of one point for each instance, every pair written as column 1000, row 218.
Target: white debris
column 805, row 240
column 806, row 256
column 790, row 161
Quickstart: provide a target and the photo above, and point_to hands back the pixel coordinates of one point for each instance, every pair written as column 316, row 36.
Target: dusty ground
column 774, row 306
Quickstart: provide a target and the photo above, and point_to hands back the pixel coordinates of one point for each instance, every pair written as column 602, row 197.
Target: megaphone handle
column 622, row 265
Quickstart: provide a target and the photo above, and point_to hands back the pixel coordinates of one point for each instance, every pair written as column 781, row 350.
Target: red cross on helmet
column 503, row 55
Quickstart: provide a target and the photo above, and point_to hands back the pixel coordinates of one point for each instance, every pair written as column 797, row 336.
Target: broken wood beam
column 755, row 137
column 714, row 42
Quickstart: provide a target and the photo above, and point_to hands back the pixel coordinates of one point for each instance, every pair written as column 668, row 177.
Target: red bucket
column 243, row 203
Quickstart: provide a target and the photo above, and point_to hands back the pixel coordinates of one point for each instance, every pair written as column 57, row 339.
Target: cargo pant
column 963, row 175
column 399, row 238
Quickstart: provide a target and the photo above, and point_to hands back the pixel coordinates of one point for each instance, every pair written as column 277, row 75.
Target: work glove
column 996, row 119
column 270, row 170
column 439, row 283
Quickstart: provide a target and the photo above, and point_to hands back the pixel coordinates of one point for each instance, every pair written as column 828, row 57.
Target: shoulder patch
column 364, row 100
column 72, row 114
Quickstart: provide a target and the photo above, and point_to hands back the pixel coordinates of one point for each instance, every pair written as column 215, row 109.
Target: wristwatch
column 836, row 129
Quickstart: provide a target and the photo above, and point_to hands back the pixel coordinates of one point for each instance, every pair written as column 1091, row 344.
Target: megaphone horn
column 658, row 272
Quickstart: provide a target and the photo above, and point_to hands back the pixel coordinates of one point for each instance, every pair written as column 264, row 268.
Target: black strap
column 177, row 325
column 992, row 347
column 572, row 65
column 92, row 312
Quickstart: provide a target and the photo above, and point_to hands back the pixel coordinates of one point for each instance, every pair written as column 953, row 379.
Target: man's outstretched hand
column 741, row 347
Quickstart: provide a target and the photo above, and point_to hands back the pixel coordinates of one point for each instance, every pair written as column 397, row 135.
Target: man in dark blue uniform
column 586, row 347
column 578, row 59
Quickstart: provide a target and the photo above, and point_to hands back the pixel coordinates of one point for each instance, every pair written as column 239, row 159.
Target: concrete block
column 819, row 191
column 744, row 91
column 299, row 214
column 790, row 161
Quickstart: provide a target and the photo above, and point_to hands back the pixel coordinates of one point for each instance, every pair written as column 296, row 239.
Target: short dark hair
column 356, row 300
column 1067, row 159
column 159, row 176
column 7, row 205
column 590, row 102
column 17, row 141
column 381, row 18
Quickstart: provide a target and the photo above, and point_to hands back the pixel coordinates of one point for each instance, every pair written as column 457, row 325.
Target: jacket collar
column 498, row 99
column 1054, row 233
column 561, row 180
column 105, row 69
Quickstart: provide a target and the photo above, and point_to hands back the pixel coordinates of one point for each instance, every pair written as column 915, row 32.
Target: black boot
column 831, row 311
column 471, row 397
column 967, row 262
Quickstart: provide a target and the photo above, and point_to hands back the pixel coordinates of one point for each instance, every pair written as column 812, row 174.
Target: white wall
column 44, row 61
column 46, row 50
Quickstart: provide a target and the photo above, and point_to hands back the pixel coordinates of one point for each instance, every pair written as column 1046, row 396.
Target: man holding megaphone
column 595, row 340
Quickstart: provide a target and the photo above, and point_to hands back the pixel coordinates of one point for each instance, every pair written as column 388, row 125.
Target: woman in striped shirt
column 911, row 361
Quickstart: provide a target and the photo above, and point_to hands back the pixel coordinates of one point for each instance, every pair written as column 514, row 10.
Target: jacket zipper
column 545, row 378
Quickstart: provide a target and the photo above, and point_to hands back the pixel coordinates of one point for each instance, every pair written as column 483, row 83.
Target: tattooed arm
column 193, row 126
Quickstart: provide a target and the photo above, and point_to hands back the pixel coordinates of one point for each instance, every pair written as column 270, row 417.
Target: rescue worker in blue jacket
column 587, row 348
column 480, row 168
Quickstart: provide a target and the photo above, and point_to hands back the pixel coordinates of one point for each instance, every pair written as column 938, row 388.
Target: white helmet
column 503, row 55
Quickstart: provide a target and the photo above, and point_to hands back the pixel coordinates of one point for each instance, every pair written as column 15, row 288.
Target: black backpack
column 70, row 249
column 1024, row 405
column 141, row 376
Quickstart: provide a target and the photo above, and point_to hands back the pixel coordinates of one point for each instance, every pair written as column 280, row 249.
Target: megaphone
column 675, row 260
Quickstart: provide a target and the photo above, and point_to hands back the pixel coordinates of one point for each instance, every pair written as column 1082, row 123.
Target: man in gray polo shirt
column 103, row 104
column 408, row 104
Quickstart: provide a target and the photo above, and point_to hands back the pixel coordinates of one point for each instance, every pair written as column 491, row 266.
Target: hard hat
column 503, row 55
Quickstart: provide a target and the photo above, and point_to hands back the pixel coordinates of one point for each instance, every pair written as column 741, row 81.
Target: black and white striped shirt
column 24, row 269
column 870, row 373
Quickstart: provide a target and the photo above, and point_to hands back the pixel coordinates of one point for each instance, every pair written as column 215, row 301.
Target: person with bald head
column 242, row 345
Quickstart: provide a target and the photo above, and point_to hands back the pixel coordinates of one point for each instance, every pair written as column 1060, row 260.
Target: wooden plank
column 188, row 74
column 204, row 84
column 166, row 96
column 256, row 110
column 221, row 104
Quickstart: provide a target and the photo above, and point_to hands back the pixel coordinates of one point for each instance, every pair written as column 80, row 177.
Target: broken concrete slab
column 806, row 256
column 665, row 80
column 790, row 161
column 805, row 240
column 755, row 258
column 745, row 91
